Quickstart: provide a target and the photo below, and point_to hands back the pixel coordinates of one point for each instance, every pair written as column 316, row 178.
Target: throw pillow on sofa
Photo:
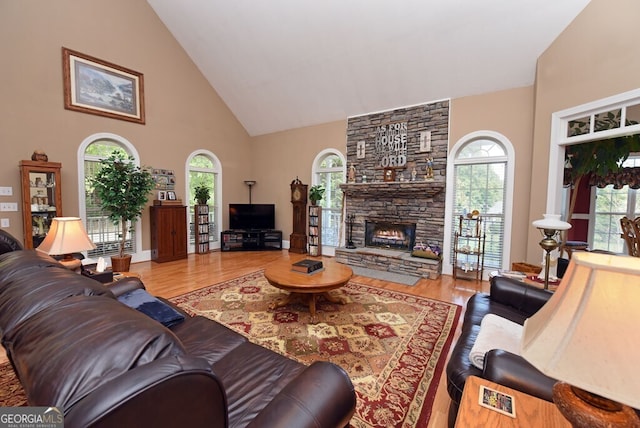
column 495, row 333
column 152, row 307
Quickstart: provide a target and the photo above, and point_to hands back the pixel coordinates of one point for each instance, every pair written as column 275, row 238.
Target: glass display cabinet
column 41, row 199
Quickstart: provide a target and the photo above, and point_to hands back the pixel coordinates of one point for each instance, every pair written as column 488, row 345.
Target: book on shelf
column 307, row 266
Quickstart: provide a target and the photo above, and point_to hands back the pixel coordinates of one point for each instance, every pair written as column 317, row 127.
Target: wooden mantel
column 410, row 189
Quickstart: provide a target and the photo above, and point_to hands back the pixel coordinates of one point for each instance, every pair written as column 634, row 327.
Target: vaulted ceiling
column 283, row 64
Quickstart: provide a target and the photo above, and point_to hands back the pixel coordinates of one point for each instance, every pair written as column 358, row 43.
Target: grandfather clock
column 298, row 239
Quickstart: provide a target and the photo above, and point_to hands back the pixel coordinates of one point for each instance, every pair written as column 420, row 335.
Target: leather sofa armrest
column 515, row 372
column 169, row 392
column 519, row 295
column 125, row 285
column 322, row 395
column 8, row 242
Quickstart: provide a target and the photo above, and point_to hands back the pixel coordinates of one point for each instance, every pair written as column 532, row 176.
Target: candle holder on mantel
column 350, row 220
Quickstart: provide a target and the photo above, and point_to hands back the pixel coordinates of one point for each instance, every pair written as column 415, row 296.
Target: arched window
column 100, row 229
column 482, row 179
column 203, row 169
column 329, row 170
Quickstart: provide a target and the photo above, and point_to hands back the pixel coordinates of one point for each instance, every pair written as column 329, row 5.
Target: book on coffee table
column 307, row 266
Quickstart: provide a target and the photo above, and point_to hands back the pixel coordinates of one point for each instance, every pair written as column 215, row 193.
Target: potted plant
column 316, row 193
column 202, row 194
column 123, row 189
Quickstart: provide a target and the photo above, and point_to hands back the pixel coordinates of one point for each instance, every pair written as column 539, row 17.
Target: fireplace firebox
column 393, row 236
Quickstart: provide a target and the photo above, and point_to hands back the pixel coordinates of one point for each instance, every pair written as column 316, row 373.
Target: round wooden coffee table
column 307, row 286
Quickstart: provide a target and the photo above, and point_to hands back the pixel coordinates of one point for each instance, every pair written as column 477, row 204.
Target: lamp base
column 70, row 262
column 585, row 410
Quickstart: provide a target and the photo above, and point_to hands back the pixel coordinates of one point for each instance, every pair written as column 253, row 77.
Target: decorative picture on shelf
column 389, row 174
column 425, row 141
column 94, row 86
column 171, row 196
column 164, row 179
column 162, row 195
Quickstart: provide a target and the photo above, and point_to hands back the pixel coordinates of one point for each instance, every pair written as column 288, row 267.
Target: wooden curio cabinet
column 41, row 199
column 168, row 233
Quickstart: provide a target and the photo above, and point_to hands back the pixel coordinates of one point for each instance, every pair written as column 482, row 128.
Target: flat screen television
column 252, row 216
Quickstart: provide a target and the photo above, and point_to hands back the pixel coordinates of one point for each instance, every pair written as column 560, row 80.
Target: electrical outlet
column 4, row 222
column 9, row 206
column 6, row 191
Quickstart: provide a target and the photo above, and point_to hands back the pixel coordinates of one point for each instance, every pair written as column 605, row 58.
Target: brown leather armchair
column 516, row 301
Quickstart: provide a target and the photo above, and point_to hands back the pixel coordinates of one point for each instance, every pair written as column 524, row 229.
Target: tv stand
column 251, row 240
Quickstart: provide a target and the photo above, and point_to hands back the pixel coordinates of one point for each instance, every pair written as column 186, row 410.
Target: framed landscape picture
column 98, row 87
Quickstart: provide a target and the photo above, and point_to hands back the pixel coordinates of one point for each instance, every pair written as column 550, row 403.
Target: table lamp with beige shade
column 66, row 236
column 586, row 336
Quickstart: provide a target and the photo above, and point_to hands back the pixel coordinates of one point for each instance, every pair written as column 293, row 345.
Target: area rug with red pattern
column 393, row 345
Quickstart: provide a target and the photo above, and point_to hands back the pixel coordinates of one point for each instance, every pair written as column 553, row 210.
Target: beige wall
column 183, row 112
column 280, row 157
column 509, row 113
column 595, row 57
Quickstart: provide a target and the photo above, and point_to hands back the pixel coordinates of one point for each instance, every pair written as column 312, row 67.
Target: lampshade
column 66, row 235
column 587, row 333
column 551, row 222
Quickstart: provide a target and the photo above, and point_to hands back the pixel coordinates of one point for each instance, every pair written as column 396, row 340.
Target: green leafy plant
column 316, row 193
column 597, row 157
column 123, row 189
column 202, row 194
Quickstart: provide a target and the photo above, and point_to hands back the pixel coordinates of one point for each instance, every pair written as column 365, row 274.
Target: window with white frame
column 329, row 171
column 104, row 233
column 609, row 206
column 480, row 183
column 203, row 170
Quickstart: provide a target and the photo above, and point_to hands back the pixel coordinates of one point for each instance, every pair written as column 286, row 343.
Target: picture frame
column 164, row 179
column 171, row 196
column 119, row 94
column 162, row 195
column 425, row 141
column 498, row 401
column 389, row 174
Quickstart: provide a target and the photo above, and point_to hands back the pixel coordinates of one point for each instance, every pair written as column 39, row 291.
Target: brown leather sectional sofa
column 75, row 346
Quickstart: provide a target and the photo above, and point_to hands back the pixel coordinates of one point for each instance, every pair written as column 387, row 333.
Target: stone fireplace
column 398, row 215
column 390, row 216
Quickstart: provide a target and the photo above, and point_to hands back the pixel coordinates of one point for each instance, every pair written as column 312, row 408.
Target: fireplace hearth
column 388, row 235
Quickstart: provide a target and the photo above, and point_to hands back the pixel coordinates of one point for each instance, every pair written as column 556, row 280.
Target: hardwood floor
column 199, row 270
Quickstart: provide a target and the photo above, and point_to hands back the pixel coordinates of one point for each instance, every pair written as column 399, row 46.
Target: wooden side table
column 530, row 411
